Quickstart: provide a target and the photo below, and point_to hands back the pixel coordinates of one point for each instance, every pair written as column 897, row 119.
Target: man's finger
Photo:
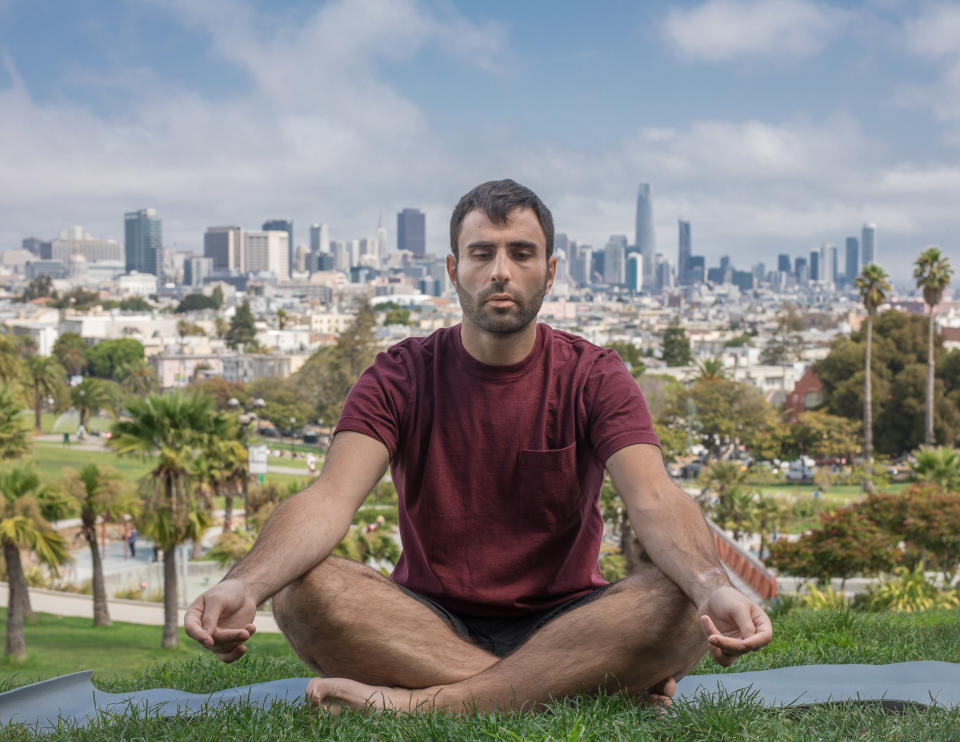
column 192, row 624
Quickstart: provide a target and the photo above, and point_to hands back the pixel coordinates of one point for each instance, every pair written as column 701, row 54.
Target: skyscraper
column 224, row 245
column 868, row 241
column 267, row 250
column 645, row 241
column 683, row 250
column 319, row 238
column 142, row 241
column 853, row 259
column 815, row 266
column 614, row 260
column 783, row 263
column 283, row 225
column 412, row 232
column 828, row 263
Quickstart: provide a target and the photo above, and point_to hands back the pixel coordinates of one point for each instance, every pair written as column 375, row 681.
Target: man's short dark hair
column 497, row 198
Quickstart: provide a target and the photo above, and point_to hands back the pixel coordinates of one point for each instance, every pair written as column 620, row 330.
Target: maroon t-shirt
column 499, row 468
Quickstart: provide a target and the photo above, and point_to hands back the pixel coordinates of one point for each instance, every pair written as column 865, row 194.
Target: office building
column 868, row 244
column 783, row 263
column 815, row 265
column 828, row 263
column 195, row 269
column 412, row 232
column 319, row 238
column 684, row 246
column 853, row 259
column 381, row 240
column 801, row 271
column 635, row 272
column 283, row 225
column 614, row 260
column 40, row 248
column 645, row 241
column 268, row 251
column 224, row 246
column 76, row 241
column 696, row 269
column 142, row 241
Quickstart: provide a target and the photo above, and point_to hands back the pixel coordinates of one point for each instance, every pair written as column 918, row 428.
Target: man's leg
column 642, row 633
column 346, row 620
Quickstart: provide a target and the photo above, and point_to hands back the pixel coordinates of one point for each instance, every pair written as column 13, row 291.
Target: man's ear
column 551, row 272
column 452, row 269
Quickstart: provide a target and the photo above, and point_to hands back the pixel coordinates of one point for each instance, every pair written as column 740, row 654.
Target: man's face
column 503, row 273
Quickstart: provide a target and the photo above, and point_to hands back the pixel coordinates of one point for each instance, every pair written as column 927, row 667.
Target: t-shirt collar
column 499, row 373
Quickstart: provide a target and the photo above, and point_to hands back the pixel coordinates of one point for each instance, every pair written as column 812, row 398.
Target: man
column 497, row 432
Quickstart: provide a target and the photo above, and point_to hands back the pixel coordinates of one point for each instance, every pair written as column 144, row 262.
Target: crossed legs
column 378, row 646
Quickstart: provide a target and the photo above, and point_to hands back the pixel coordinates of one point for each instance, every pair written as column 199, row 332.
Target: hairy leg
column 642, row 635
column 348, row 621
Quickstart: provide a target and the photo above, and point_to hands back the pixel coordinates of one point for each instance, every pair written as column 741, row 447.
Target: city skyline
column 771, row 127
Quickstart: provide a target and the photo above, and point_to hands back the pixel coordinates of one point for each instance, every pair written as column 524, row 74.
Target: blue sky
column 773, row 126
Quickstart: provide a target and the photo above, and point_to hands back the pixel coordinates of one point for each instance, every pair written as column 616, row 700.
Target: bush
column 134, row 592
column 230, row 547
column 613, row 566
column 907, row 592
column 827, row 598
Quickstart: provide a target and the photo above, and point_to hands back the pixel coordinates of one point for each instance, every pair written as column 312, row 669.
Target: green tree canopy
column 630, row 355
column 71, row 350
column 899, row 356
column 242, row 329
column 106, row 358
column 676, row 347
column 38, row 288
column 196, row 302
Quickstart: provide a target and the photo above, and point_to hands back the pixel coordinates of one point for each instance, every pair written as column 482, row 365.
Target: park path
column 132, row 611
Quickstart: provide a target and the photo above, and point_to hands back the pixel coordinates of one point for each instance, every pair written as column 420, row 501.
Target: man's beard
column 496, row 320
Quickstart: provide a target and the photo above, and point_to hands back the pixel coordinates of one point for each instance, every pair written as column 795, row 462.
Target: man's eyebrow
column 512, row 243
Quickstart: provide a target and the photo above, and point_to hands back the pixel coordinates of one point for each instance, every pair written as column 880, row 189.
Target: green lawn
column 53, row 458
column 801, row 637
column 57, row 645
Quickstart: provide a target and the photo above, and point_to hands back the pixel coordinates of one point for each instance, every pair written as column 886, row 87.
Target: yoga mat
column 74, row 699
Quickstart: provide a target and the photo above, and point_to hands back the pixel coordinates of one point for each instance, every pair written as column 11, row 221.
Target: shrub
column 230, row 547
column 907, row 592
column 827, row 598
column 613, row 566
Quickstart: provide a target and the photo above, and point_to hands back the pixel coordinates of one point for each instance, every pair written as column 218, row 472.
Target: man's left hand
column 734, row 625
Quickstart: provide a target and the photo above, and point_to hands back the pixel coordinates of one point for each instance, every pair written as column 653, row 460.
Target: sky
column 771, row 125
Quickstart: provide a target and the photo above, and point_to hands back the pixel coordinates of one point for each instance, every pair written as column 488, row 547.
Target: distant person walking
column 132, row 540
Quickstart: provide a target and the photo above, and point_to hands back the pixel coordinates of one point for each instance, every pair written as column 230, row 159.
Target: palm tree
column 940, row 466
column 138, row 378
column 874, row 287
column 13, row 435
column 90, row 396
column 711, row 369
column 932, row 271
column 167, row 428
column 9, row 360
column 43, row 377
column 26, row 509
column 100, row 492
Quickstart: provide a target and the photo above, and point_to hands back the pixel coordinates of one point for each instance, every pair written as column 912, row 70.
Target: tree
column 167, row 429
column 43, row 377
column 898, row 367
column 821, row 435
column 397, row 316
column 734, row 505
column 38, row 288
column 90, row 396
column 726, row 412
column 630, row 355
column 9, row 360
column 939, row 466
column 13, row 434
column 845, row 544
column 220, row 327
column 71, row 350
column 106, row 358
column 711, row 369
column 100, row 493
column 196, row 302
column 26, row 509
column 873, row 286
column 282, row 318
column 932, row 272
column 138, row 378
column 217, row 296
column 676, row 346
column 242, row 328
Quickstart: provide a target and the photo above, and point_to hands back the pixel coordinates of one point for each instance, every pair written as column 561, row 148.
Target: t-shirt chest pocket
column 548, row 488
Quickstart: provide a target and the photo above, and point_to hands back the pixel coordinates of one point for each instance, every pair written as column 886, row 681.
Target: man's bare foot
column 661, row 695
column 337, row 694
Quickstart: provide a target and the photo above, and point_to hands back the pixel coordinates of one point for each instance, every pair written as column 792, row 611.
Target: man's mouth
column 501, row 300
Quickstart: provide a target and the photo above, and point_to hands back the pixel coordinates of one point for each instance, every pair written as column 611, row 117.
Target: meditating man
column 497, row 432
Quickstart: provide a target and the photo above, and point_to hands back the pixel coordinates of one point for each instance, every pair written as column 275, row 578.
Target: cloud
column 934, row 35
column 724, row 30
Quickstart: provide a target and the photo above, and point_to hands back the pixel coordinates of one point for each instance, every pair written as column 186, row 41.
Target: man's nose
column 500, row 270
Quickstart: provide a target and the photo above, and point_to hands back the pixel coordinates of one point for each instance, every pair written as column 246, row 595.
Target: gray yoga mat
column 74, row 699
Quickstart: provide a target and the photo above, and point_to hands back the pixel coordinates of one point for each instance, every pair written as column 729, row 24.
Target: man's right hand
column 221, row 619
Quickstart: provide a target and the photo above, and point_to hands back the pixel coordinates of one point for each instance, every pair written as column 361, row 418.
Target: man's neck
column 498, row 350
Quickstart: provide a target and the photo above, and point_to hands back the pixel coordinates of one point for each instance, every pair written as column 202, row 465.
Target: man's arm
column 300, row 534
column 675, row 535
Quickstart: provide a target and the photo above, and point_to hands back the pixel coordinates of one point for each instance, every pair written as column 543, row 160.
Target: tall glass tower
column 645, row 239
column 683, row 250
column 853, row 259
column 868, row 243
column 142, row 241
column 412, row 232
column 283, row 225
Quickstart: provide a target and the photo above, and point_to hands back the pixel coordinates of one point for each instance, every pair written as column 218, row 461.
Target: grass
column 52, row 458
column 801, row 637
column 57, row 645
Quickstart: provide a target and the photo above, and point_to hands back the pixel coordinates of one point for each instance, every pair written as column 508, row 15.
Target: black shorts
column 500, row 635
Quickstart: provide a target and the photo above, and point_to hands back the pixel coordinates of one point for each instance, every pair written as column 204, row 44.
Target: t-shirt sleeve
column 618, row 414
column 375, row 403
